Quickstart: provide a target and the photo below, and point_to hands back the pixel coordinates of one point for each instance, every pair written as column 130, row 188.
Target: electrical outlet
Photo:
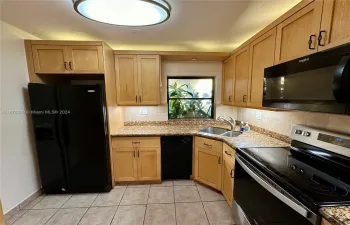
column 143, row 111
column 258, row 115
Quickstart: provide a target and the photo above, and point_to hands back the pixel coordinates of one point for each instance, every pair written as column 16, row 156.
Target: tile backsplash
column 281, row 122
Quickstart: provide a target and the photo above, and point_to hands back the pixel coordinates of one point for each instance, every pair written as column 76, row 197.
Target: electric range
column 288, row 185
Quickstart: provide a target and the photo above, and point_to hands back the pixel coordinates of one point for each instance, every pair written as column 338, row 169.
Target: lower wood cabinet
column 208, row 162
column 227, row 173
column 325, row 222
column 136, row 159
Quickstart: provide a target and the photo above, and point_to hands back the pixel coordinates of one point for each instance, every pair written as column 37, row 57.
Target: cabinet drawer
column 228, row 153
column 209, row 144
column 125, row 142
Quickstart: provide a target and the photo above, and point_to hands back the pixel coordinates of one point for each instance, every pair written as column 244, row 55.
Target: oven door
column 260, row 201
column 318, row 82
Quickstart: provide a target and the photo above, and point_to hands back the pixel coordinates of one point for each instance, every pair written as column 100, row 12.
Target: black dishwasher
column 176, row 157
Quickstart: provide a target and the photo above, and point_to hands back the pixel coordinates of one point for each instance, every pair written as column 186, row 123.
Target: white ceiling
column 194, row 25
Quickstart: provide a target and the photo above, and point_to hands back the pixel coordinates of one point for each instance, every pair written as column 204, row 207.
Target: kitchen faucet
column 230, row 121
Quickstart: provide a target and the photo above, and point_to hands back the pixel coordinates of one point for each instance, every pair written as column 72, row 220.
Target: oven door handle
column 301, row 210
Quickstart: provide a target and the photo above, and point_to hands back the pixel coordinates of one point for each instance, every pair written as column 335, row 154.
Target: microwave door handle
column 301, row 210
column 341, row 71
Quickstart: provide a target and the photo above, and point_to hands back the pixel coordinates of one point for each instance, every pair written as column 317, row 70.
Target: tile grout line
column 118, row 205
column 174, row 204
column 144, row 216
column 204, row 208
column 58, row 209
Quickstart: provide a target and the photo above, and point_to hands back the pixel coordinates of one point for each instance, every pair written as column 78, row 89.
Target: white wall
column 281, row 122
column 19, row 173
column 172, row 68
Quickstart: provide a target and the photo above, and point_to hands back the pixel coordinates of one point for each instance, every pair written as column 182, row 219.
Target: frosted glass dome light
column 124, row 12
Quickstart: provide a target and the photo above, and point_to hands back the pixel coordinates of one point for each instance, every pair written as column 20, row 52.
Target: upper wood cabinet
column 241, row 74
column 50, row 59
column 85, row 59
column 148, row 79
column 297, row 35
column 228, row 81
column 262, row 55
column 67, row 59
column 335, row 29
column 138, row 79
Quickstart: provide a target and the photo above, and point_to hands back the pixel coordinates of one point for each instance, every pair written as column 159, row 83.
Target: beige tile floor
column 180, row 202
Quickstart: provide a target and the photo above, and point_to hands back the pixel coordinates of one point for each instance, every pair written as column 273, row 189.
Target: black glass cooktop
column 313, row 174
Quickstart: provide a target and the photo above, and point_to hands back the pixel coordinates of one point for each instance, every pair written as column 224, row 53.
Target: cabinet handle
column 219, row 160
column 136, row 142
column 244, row 98
column 310, row 41
column 136, row 98
column 320, row 37
column 208, row 145
column 231, row 173
column 140, row 98
column 134, row 154
column 70, row 66
column 65, row 66
column 138, row 154
column 229, row 98
column 228, row 153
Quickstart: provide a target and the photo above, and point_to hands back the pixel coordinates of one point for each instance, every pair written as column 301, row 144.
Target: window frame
column 189, row 78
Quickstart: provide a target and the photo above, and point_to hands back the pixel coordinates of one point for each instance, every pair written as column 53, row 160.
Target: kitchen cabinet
column 227, row 173
column 262, row 55
column 335, row 28
column 208, row 161
column 228, row 81
column 67, row 59
column 297, row 35
column 50, row 59
column 241, row 73
column 136, row 159
column 138, row 79
column 325, row 222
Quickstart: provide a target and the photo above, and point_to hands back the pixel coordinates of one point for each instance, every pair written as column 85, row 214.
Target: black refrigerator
column 71, row 133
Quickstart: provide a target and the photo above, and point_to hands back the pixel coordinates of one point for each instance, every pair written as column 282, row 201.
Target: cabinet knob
column 136, row 98
column 229, row 98
column 244, row 98
column 219, row 160
column 228, row 153
column 140, row 99
column 70, row 66
column 65, row 66
column 231, row 174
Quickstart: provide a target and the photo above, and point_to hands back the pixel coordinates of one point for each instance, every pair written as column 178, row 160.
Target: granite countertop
column 339, row 215
column 247, row 139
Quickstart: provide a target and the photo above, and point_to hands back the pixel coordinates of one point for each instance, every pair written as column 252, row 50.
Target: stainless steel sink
column 214, row 130
column 231, row 134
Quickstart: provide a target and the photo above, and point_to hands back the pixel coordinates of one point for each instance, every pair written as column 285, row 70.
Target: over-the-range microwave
column 319, row 82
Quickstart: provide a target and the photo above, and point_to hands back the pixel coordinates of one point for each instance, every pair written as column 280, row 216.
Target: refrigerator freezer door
column 82, row 125
column 44, row 108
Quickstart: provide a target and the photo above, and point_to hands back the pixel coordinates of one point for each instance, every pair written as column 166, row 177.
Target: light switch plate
column 258, row 115
column 143, row 111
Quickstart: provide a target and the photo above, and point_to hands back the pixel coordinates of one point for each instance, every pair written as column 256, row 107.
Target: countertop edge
column 333, row 217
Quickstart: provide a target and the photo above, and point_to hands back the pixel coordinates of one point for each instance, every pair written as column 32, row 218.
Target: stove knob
column 294, row 167
column 306, row 134
column 298, row 132
column 301, row 171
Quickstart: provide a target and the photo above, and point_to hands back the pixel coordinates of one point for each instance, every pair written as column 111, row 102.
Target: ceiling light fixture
column 124, row 12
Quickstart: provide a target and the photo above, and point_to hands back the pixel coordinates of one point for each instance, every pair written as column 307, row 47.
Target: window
column 190, row 97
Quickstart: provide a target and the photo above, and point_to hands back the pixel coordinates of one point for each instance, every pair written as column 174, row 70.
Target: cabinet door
column 241, row 76
column 85, row 59
column 335, row 29
column 125, row 164
column 149, row 79
column 227, row 179
column 262, row 55
column 208, row 167
column 50, row 59
column 228, row 81
column 294, row 34
column 148, row 164
column 126, row 79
